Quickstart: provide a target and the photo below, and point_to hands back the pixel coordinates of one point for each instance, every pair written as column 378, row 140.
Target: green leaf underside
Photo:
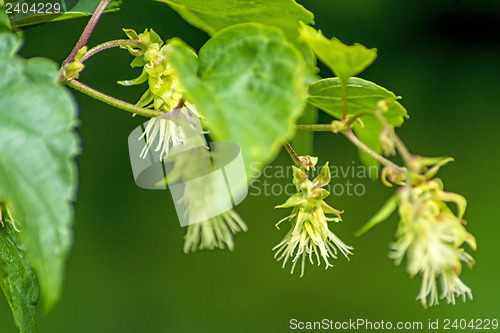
column 387, row 209
column 345, row 61
column 17, row 279
column 212, row 16
column 83, row 8
column 362, row 96
column 249, row 86
column 37, row 171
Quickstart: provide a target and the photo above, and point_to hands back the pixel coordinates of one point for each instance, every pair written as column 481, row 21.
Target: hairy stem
column 77, row 85
column 105, row 46
column 315, row 127
column 292, row 154
column 354, row 139
column 87, row 31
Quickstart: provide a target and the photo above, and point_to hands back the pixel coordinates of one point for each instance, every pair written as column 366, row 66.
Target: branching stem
column 87, row 31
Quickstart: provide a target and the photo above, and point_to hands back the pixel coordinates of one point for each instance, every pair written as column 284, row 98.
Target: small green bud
column 338, row 126
column 80, row 54
column 390, row 176
column 387, row 143
column 72, row 71
column 308, row 161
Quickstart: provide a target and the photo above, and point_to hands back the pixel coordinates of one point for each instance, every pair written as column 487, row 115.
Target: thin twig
column 77, row 85
column 292, row 154
column 315, row 127
column 104, row 46
column 354, row 139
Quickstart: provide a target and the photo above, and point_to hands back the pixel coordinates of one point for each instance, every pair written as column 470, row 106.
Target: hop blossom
column 431, row 236
column 205, row 229
column 216, row 232
column 309, row 234
column 163, row 133
column 169, row 131
column 152, row 54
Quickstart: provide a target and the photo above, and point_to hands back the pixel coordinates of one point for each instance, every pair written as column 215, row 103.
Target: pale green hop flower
column 213, row 232
column 152, row 54
column 216, row 232
column 431, row 236
column 309, row 234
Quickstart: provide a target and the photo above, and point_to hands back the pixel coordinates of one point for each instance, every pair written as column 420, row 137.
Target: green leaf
column 17, row 279
column 4, row 19
column 212, row 16
column 345, row 61
column 387, row 209
column 83, row 8
column 37, row 170
column 249, row 86
column 362, row 96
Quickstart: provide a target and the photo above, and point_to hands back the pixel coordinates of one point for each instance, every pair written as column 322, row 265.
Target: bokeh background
column 127, row 271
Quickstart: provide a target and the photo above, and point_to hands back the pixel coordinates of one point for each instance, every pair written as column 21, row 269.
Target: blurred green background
column 127, row 271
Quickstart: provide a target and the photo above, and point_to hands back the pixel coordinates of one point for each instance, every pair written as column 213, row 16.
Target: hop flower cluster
column 309, row 234
column 431, row 236
column 152, row 54
column 164, row 132
column 163, row 93
column 216, row 232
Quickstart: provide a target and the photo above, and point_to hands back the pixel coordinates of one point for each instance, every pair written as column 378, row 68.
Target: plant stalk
column 293, row 154
column 315, row 127
column 77, row 85
column 354, row 139
column 105, row 46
